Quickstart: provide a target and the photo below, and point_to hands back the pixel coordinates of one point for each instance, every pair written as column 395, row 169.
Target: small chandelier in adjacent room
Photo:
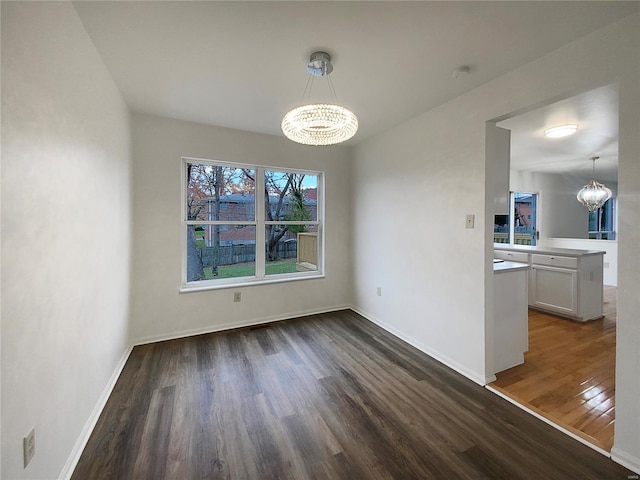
column 319, row 123
column 594, row 194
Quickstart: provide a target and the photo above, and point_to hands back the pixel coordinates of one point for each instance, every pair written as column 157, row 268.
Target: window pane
column 292, row 196
column 593, row 221
column 501, row 229
column 220, row 193
column 291, row 248
column 220, row 251
column 606, row 219
column 601, row 222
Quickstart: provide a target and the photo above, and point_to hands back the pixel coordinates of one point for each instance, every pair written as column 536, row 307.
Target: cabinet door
column 554, row 289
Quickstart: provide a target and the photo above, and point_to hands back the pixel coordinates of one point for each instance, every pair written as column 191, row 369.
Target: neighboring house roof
column 311, row 199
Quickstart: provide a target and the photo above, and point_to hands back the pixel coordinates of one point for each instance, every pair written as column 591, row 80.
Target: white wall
column 560, row 215
column 413, row 187
column 626, row 446
column 436, row 290
column 159, row 311
column 65, row 234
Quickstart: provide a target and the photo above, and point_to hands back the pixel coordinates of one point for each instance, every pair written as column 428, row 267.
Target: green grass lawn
column 248, row 269
column 281, row 266
column 199, row 234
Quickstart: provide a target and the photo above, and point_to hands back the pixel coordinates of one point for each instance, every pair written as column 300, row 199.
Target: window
column 519, row 228
column 231, row 209
column 602, row 222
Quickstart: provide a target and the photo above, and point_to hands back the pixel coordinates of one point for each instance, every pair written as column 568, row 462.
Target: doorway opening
column 575, row 388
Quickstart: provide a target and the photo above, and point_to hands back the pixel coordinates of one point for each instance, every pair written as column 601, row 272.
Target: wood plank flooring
column 569, row 373
column 329, row 396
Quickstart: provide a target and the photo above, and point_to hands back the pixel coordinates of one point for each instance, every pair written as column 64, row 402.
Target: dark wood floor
column 324, row 397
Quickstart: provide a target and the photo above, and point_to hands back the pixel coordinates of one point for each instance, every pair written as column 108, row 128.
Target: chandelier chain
column 307, row 88
column 332, row 88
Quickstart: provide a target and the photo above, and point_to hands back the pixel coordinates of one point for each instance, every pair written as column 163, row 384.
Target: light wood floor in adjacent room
column 323, row 397
column 569, row 372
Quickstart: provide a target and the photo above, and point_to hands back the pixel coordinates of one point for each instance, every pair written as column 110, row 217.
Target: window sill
column 248, row 283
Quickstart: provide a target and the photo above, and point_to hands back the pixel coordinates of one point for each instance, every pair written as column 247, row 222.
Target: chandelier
column 594, row 194
column 319, row 123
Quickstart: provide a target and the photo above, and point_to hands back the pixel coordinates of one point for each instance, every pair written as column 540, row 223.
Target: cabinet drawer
column 511, row 256
column 554, row 261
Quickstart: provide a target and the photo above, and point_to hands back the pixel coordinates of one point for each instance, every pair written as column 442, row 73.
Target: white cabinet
column 555, row 261
column 554, row 289
column 511, row 256
column 510, row 324
column 564, row 282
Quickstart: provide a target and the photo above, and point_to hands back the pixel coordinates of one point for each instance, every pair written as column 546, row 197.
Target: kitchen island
column 511, row 323
column 562, row 281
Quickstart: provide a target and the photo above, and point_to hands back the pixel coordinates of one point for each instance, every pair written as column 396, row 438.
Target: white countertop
column 569, row 252
column 504, row 266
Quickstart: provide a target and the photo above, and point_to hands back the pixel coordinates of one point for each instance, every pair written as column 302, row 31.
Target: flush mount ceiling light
column 561, row 130
column 319, row 123
column 594, row 194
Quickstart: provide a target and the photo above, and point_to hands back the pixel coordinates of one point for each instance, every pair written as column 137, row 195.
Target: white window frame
column 614, row 223
column 259, row 224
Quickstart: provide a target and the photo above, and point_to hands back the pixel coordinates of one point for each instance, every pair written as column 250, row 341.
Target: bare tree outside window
column 207, row 186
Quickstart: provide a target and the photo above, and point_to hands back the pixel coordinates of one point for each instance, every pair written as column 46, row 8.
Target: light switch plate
column 470, row 221
column 29, row 446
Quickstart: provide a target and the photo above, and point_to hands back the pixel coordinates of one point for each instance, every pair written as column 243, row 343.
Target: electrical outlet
column 237, row 296
column 29, row 446
column 379, row 291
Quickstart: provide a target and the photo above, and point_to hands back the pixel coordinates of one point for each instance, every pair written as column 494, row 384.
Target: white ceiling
column 596, row 114
column 243, row 64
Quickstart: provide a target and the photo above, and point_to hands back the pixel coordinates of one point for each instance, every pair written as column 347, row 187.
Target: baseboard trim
column 90, row 424
column 626, row 460
column 478, row 378
column 233, row 325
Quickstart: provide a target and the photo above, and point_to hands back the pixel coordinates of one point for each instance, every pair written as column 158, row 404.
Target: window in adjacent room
column 602, row 222
column 519, row 228
column 248, row 223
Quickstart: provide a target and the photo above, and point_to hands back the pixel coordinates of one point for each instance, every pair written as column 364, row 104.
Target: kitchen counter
column 506, row 266
column 567, row 252
column 562, row 281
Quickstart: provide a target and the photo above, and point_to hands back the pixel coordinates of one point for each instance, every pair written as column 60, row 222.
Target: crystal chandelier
column 319, row 123
column 594, row 194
